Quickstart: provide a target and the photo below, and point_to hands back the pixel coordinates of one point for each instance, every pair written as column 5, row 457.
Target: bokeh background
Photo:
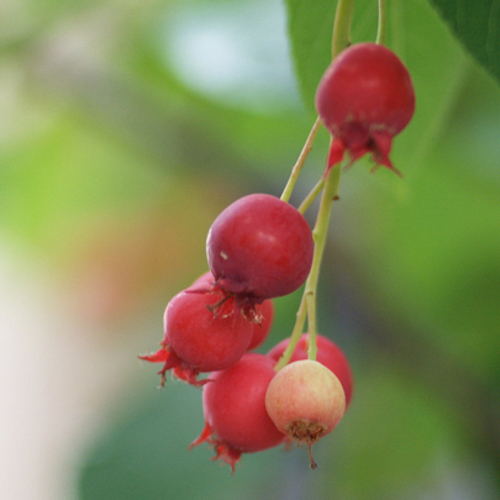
column 126, row 127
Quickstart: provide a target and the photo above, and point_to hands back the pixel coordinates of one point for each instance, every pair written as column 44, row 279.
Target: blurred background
column 126, row 127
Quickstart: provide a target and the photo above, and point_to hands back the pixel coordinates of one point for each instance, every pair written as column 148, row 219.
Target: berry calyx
column 204, row 331
column 306, row 401
column 236, row 420
column 260, row 247
column 328, row 354
column 364, row 99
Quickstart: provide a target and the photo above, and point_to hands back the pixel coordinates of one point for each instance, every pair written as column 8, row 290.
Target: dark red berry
column 204, row 331
column 260, row 247
column 236, row 420
column 328, row 354
column 365, row 98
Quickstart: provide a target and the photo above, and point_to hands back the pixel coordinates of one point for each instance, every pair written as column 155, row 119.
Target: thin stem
column 320, row 234
column 342, row 26
column 311, row 196
column 295, row 336
column 382, row 22
column 330, row 186
column 287, row 192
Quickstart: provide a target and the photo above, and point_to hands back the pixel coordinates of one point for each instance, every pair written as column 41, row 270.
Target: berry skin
column 204, row 331
column 305, row 400
column 236, row 420
column 260, row 247
column 365, row 98
column 328, row 354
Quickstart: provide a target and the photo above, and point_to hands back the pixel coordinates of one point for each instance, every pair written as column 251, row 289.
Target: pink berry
column 365, row 98
column 236, row 420
column 260, row 247
column 305, row 400
column 204, row 331
column 328, row 354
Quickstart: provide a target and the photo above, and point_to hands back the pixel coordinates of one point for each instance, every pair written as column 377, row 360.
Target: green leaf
column 477, row 26
column 310, row 28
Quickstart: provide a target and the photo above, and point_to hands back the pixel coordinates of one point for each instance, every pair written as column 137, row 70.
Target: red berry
column 261, row 315
column 236, row 420
column 306, row 401
column 328, row 354
column 365, row 98
column 262, row 323
column 204, row 331
column 204, row 283
column 260, row 247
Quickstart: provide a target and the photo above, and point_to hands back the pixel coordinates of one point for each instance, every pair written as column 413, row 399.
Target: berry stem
column 329, row 183
column 295, row 336
column 300, row 161
column 342, row 26
column 382, row 22
column 311, row 196
column 320, row 234
column 307, row 306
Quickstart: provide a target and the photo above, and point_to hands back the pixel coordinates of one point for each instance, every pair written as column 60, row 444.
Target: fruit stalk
column 320, row 235
column 340, row 40
column 307, row 306
column 342, row 26
column 382, row 22
column 300, row 161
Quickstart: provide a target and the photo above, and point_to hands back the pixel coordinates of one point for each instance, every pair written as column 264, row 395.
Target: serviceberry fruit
column 236, row 420
column 365, row 98
column 261, row 315
column 260, row 247
column 306, row 401
column 204, row 331
column 328, row 354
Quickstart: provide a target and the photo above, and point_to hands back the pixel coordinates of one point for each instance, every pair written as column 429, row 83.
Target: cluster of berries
column 260, row 248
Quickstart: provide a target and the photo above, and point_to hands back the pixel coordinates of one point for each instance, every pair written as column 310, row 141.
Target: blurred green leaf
column 477, row 25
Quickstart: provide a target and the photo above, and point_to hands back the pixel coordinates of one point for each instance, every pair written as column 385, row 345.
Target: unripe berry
column 305, row 400
column 328, row 354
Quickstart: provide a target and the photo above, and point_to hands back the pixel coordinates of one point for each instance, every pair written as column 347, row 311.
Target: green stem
column 287, row 192
column 382, row 22
column 342, row 26
column 311, row 196
column 308, row 303
column 330, row 185
column 320, row 234
column 295, row 336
